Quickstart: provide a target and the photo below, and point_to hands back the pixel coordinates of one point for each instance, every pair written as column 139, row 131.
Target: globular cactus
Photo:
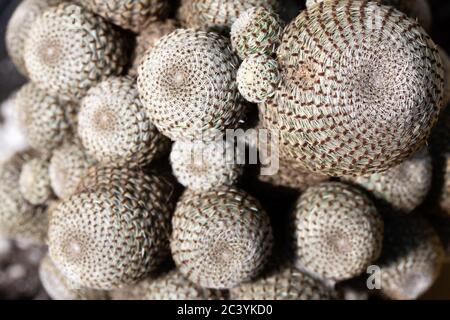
column 202, row 165
column 337, row 232
column 220, row 238
column 70, row 49
column 114, row 127
column 45, row 120
column 217, row 14
column 412, row 257
column 147, row 39
column 402, row 188
column 18, row 217
column 258, row 78
column 348, row 103
column 59, row 287
column 68, row 165
column 132, row 15
column 171, row 285
column 114, row 230
column 187, row 84
column 19, row 27
column 34, row 181
column 257, row 30
column 283, row 282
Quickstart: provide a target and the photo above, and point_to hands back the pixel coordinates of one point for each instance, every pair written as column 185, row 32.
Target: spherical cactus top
column 59, row 287
column 168, row 286
column 45, row 120
column 19, row 26
column 34, row 181
column 18, row 217
column 337, row 231
column 133, row 15
column 114, row 127
column 404, row 187
column 68, row 165
column 220, row 237
column 412, row 257
column 218, row 14
column 349, row 102
column 200, row 166
column 114, row 230
column 187, row 84
column 70, row 49
column 257, row 30
column 147, row 39
column 258, row 78
column 283, row 283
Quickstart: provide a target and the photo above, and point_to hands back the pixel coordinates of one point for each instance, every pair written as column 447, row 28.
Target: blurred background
column 19, row 261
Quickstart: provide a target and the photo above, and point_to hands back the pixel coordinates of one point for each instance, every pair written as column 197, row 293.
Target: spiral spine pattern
column 114, row 230
column 338, row 232
column 344, row 65
column 71, row 49
column 220, row 238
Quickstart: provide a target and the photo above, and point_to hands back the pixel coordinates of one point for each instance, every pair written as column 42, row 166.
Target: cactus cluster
column 135, row 185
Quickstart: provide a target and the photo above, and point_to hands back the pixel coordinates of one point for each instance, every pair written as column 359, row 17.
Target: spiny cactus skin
column 114, row 127
column 283, row 283
column 187, row 84
column 338, row 232
column 18, row 217
column 19, row 26
column 258, row 78
column 338, row 110
column 132, row 15
column 201, row 166
column 446, row 62
column 68, row 165
column 217, row 14
column 291, row 177
column 220, row 237
column 114, row 230
column 168, row 286
column 147, row 39
column 45, row 120
column 34, row 181
column 71, row 49
column 404, row 187
column 257, row 30
column 59, row 287
column 419, row 9
column 412, row 257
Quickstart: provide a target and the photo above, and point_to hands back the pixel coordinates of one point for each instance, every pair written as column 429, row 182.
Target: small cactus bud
column 257, row 30
column 258, row 78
